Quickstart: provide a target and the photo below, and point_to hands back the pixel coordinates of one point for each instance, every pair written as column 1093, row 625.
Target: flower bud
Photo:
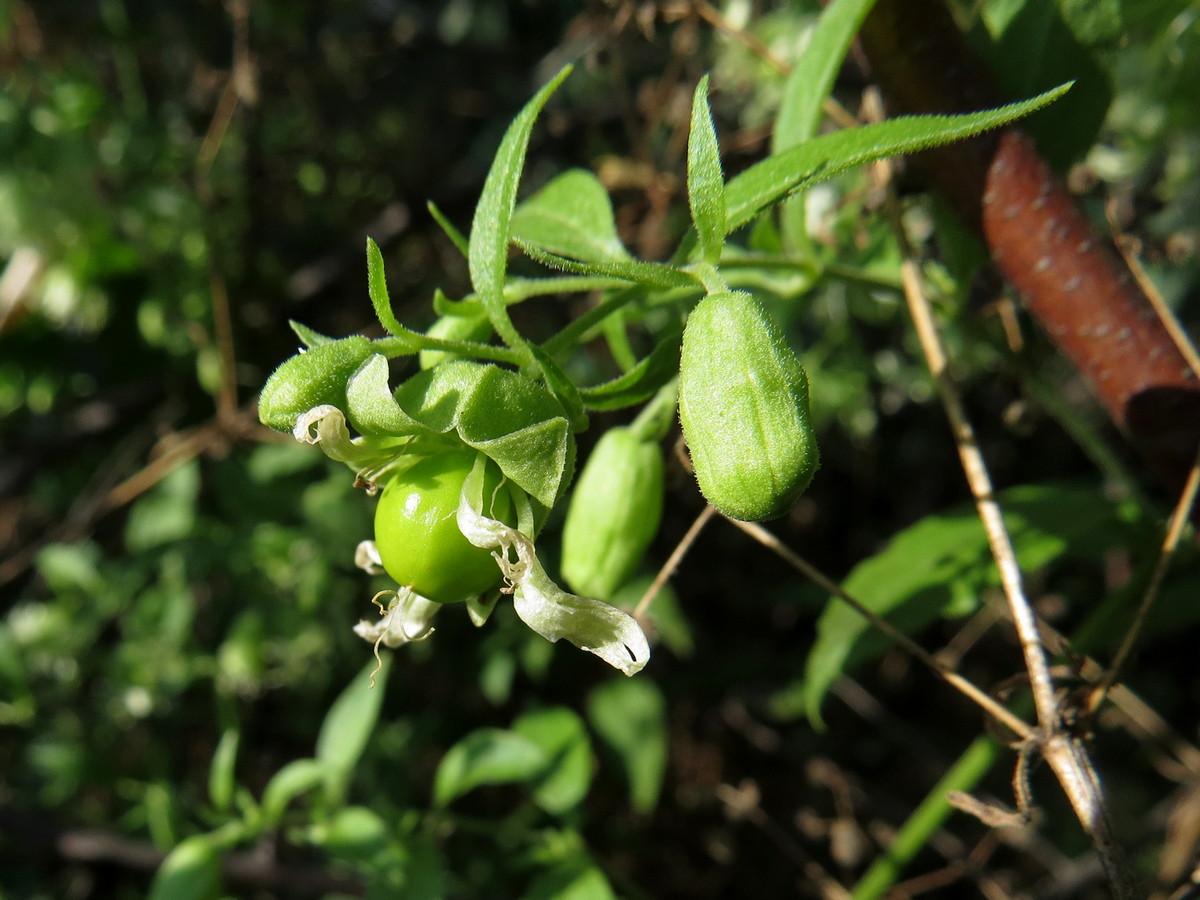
column 311, row 378
column 614, row 513
column 743, row 404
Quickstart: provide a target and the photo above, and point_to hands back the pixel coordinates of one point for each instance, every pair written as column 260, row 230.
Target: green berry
column 416, row 528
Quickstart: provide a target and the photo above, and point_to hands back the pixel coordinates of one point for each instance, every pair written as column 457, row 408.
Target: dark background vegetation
column 182, row 179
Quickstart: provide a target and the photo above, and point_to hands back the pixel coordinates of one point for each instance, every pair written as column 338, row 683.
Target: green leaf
column 562, row 737
column 192, row 871
column 630, row 716
column 377, row 288
column 308, row 337
column 220, row 773
column 705, row 180
column 486, row 756
column 805, row 90
column 456, row 236
column 354, row 833
column 315, row 377
column 455, row 328
column 571, row 880
column 1093, row 21
column 1036, row 49
column 803, row 165
column 811, row 79
column 167, row 513
column 350, row 721
column 370, row 406
column 297, row 777
column 512, row 419
column 641, row 382
column 636, row 271
column 571, row 216
column 939, row 566
column 562, row 387
column 487, row 251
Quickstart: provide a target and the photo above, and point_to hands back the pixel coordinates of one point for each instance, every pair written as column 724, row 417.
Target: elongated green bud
column 743, row 403
column 614, row 513
column 311, row 378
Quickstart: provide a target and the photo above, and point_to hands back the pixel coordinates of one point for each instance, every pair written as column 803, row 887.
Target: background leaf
column 630, row 716
column 939, row 567
column 571, row 216
column 487, row 756
column 349, row 723
column 562, row 737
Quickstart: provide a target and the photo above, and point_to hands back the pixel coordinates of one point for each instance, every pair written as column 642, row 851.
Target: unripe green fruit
column 614, row 514
column 743, row 404
column 416, row 529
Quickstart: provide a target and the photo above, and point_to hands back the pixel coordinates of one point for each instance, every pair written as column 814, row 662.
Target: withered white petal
column 406, row 619
column 553, row 613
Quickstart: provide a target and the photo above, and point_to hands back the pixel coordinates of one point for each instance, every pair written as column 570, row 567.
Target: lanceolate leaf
column 571, row 216
column 811, row 79
column 638, row 272
column 487, row 254
column 705, row 180
column 641, row 382
column 938, row 567
column 308, row 336
column 377, row 288
column 562, row 387
column 769, row 181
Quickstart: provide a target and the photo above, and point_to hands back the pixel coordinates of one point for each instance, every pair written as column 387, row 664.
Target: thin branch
column 1129, row 247
column 673, row 561
column 1179, row 519
column 980, row 698
column 1062, row 751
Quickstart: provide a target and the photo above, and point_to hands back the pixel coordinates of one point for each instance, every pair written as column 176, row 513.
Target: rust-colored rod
column 1071, row 278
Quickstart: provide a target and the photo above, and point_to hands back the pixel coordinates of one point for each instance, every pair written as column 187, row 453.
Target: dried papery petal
column 366, row 557
column 553, row 613
column 405, row 619
column 332, row 435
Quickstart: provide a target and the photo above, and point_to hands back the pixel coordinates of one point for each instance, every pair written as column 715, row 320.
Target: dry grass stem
column 673, row 561
column 1179, row 519
column 1062, row 751
column 989, row 704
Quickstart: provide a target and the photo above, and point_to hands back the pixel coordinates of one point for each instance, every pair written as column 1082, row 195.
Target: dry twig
column 1063, row 751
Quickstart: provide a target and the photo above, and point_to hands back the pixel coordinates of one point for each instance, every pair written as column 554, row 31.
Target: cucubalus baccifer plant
column 471, row 452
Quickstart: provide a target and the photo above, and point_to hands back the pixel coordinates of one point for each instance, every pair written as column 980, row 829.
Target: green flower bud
column 743, row 404
column 614, row 513
column 311, row 378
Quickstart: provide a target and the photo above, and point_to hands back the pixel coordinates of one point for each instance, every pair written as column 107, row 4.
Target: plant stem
column 1062, row 751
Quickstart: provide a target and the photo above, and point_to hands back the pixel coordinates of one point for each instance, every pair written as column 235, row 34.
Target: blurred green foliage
column 177, row 669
